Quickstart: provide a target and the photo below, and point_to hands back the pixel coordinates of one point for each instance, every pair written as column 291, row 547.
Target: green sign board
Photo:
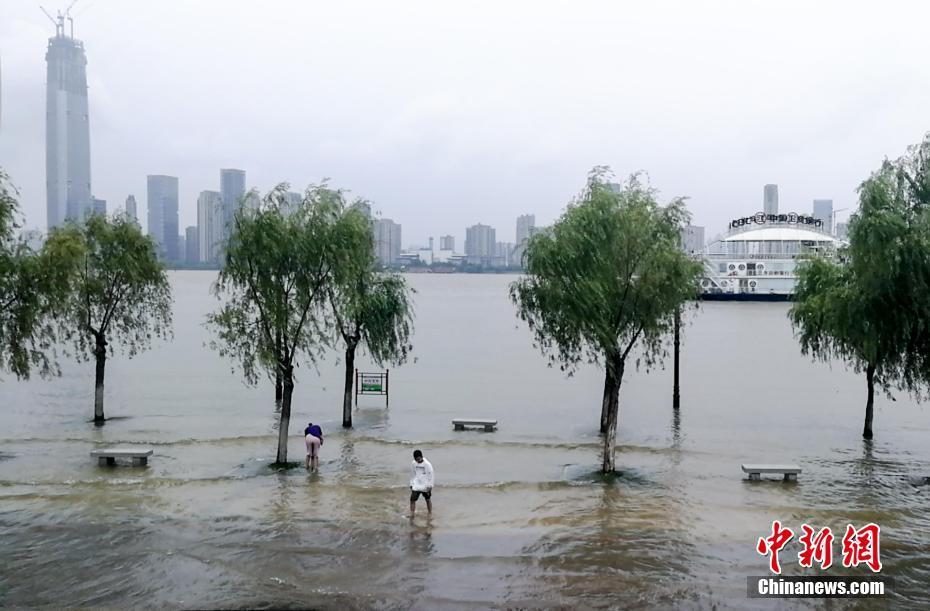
column 371, row 384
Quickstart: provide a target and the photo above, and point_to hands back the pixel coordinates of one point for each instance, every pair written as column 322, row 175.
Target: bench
column 461, row 423
column 108, row 456
column 755, row 471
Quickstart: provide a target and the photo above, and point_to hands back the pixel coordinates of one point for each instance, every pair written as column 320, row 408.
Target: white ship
column 757, row 259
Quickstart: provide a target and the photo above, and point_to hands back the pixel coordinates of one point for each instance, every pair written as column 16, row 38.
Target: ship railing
column 711, row 273
column 733, row 256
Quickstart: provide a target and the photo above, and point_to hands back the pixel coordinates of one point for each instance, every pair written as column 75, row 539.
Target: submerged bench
column 755, row 471
column 461, row 423
column 108, row 456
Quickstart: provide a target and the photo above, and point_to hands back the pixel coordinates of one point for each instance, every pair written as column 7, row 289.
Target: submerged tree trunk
column 100, row 354
column 870, row 380
column 278, row 383
column 676, row 390
column 285, row 420
column 612, row 396
column 347, row 394
column 605, row 403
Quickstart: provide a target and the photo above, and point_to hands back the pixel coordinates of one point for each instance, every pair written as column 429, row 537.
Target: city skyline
column 471, row 131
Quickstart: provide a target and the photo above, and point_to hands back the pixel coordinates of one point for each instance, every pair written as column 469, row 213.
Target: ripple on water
column 522, row 516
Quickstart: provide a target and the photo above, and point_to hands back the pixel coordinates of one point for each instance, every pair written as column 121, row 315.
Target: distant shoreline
column 408, row 270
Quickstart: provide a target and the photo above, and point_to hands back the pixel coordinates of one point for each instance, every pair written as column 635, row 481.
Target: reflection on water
column 521, row 516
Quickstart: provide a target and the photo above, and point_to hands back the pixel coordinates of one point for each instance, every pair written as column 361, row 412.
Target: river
column 522, row 517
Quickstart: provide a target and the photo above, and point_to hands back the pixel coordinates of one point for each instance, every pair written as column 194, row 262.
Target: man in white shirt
column 421, row 482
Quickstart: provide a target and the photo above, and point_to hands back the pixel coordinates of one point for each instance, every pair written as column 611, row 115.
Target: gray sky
column 447, row 114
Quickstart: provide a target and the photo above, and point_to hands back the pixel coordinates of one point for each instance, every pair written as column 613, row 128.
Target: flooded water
column 521, row 516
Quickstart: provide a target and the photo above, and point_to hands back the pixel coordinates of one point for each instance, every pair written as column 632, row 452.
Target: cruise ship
column 758, row 257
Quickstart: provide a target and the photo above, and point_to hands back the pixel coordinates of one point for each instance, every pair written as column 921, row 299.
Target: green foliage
column 370, row 306
column 374, row 310
column 833, row 318
column 27, row 293
column 871, row 307
column 280, row 264
column 114, row 289
column 610, row 273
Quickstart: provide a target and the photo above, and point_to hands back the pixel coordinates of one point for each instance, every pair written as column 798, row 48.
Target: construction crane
column 59, row 22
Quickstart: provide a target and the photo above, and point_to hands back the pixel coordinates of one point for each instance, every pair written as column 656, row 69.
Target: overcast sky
column 445, row 114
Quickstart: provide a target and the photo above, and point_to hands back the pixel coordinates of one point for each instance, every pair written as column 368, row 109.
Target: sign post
column 372, row 384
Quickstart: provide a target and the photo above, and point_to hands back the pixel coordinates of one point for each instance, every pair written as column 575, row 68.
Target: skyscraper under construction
column 67, row 130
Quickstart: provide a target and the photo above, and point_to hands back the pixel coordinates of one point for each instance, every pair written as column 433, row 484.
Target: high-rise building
column 162, row 206
column 692, row 239
column 291, row 202
column 252, row 201
column 210, row 226
column 842, row 230
column 387, row 241
column 181, row 246
column 191, row 247
column 823, row 210
column 525, row 225
column 480, row 244
column 232, row 189
column 98, row 206
column 447, row 242
column 503, row 254
column 363, row 207
column 67, row 131
column 770, row 199
column 131, row 210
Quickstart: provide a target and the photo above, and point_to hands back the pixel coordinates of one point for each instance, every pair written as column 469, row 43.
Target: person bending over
column 313, row 437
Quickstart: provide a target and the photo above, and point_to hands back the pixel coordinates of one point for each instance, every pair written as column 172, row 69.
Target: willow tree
column 608, row 276
column 870, row 305
column 279, row 266
column 372, row 310
column 28, row 292
column 116, row 291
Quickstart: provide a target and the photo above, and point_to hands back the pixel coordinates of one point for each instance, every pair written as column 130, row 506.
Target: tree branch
column 632, row 343
column 313, row 296
column 111, row 301
column 339, row 323
column 258, row 303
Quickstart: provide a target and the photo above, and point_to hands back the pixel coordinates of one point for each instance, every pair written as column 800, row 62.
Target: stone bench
column 755, row 471
column 461, row 423
column 108, row 456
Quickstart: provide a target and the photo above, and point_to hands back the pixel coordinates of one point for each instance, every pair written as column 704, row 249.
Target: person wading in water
column 421, row 482
column 313, row 437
